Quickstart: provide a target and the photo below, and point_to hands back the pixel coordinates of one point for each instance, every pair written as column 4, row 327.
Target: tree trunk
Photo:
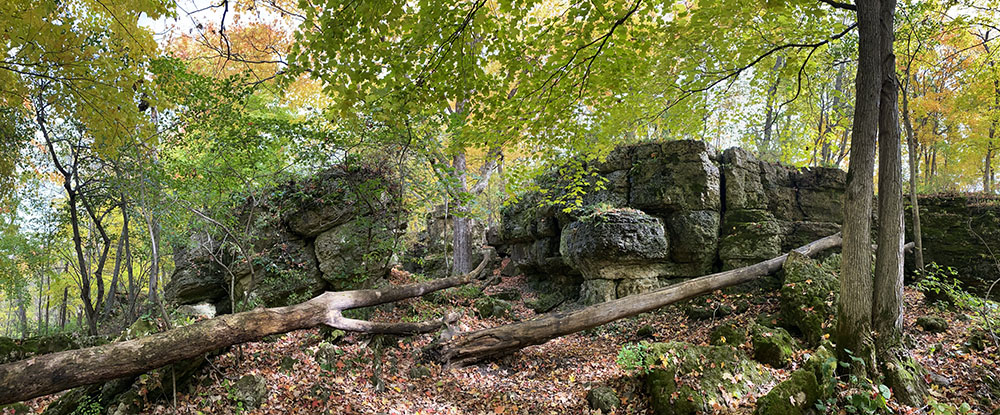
column 854, row 332
column 109, row 304
column 902, row 374
column 62, row 313
column 911, row 143
column 45, row 374
column 22, row 315
column 154, row 267
column 462, row 224
column 474, row 346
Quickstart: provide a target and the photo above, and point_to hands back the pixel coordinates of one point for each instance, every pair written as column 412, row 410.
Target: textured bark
column 888, row 290
column 462, row 229
column 855, row 304
column 45, row 374
column 911, row 142
column 902, row 374
column 468, row 348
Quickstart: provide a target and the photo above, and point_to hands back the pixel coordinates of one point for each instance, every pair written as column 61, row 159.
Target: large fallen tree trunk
column 468, row 348
column 45, row 374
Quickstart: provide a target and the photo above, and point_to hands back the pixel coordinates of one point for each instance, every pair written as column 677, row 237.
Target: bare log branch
column 472, row 347
column 45, row 374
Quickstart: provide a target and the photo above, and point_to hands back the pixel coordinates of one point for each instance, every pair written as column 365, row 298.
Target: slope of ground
column 553, row 378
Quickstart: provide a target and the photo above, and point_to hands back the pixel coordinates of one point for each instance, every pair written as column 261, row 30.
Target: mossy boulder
column 490, row 307
column 615, row 244
column 809, row 296
column 932, row 324
column 823, row 364
column 692, row 379
column 545, row 302
column 773, row 346
column 645, row 332
column 727, row 335
column 792, row 397
column 603, row 398
column 250, row 390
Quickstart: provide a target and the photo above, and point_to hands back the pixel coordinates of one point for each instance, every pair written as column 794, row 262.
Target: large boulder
column 794, row 396
column 619, row 252
column 772, row 345
column 809, row 296
column 692, row 379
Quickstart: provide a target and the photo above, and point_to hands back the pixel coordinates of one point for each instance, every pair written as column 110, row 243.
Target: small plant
column 937, row 408
column 88, row 406
column 632, row 358
column 864, row 396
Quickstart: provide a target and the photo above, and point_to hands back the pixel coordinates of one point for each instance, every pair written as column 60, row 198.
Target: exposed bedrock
column 665, row 211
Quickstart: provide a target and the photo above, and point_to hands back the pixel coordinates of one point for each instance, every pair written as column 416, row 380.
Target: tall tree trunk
column 133, row 288
column 902, row 374
column 62, row 313
column 462, row 248
column 38, row 312
column 854, row 331
column 22, row 315
column 109, row 304
column 765, row 147
column 911, row 143
column 154, row 267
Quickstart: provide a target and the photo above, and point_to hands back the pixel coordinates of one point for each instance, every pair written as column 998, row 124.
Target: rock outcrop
column 717, row 212
column 337, row 230
column 696, row 211
column 963, row 232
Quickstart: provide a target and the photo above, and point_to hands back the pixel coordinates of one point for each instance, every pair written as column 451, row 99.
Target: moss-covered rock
column 808, row 297
column 690, row 378
column 773, row 346
column 932, row 324
column 250, row 390
column 489, row 307
column 419, row 372
column 791, row 397
column 823, row 364
column 603, row 398
column 615, row 244
column 645, row 332
column 727, row 335
column 545, row 302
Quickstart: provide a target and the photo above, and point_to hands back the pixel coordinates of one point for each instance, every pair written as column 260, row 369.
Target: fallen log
column 50, row 373
column 468, row 348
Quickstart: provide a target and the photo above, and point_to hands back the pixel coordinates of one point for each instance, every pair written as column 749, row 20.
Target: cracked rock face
column 619, row 252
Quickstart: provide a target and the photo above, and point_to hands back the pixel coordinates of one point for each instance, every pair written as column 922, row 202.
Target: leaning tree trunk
column 854, row 309
column 45, row 374
column 475, row 346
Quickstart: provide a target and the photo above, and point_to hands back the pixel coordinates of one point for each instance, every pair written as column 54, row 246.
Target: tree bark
column 911, row 143
column 475, row 346
column 902, row 374
column 45, row 374
column 854, row 333
column 462, row 226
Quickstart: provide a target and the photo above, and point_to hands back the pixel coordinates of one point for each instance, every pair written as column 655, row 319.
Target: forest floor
column 552, row 378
